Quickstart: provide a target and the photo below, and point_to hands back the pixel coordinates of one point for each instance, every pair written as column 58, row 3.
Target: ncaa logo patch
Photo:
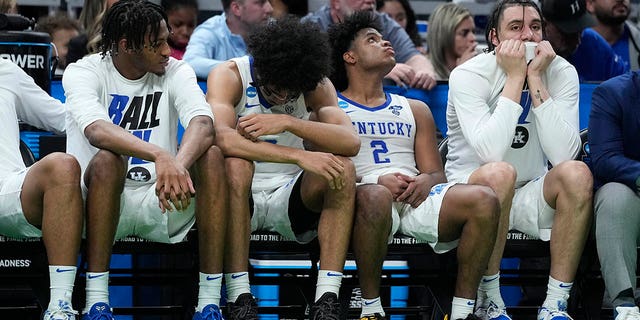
column 139, row 174
column 251, row 92
column 520, row 138
column 343, row 104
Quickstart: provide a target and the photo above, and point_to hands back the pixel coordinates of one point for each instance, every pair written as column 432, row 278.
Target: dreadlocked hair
column 341, row 36
column 496, row 15
column 290, row 55
column 132, row 20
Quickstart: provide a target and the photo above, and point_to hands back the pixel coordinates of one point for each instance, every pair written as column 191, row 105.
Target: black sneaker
column 245, row 308
column 375, row 316
column 327, row 307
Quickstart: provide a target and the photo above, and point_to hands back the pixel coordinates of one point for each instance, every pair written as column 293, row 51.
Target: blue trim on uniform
column 363, row 107
column 262, row 100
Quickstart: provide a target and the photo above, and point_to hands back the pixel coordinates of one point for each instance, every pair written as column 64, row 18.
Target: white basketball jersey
column 269, row 174
column 387, row 136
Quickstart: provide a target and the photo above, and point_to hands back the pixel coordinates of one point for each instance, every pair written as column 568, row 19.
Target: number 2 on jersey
column 379, row 149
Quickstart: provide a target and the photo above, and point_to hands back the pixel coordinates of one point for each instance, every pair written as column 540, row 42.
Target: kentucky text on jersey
column 383, row 128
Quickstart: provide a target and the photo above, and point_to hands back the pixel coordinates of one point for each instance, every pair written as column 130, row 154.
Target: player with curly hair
column 287, row 147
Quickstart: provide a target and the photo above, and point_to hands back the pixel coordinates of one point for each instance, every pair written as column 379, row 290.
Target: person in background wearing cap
column 521, row 114
column 612, row 25
column 567, row 31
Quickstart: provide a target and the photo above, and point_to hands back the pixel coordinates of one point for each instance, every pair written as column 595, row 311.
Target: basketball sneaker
column 492, row 312
column 61, row 311
column 627, row 313
column 99, row 311
column 209, row 312
column 244, row 308
column 327, row 307
column 548, row 314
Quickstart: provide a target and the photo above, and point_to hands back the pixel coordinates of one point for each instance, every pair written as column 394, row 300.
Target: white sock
column 209, row 290
column 237, row 283
column 461, row 308
column 371, row 306
column 61, row 279
column 489, row 291
column 97, row 289
column 557, row 294
column 328, row 281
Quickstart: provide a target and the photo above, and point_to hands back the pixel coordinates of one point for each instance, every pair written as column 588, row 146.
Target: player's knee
column 373, row 204
column 62, row 168
column 239, row 174
column 213, row 156
column 349, row 170
column 484, row 206
column 106, row 166
column 498, row 172
column 575, row 177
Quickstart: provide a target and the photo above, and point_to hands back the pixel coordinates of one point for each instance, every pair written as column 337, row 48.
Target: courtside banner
column 31, row 51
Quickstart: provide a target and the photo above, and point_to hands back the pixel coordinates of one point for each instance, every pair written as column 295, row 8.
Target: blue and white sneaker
column 492, row 312
column 627, row 313
column 61, row 311
column 555, row 314
column 99, row 311
column 209, row 312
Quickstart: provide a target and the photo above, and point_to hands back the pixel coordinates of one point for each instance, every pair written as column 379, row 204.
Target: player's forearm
column 537, row 91
column 197, row 138
column 326, row 137
column 235, row 145
column 108, row 136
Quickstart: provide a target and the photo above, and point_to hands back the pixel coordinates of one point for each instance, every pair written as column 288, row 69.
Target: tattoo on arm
column 538, row 96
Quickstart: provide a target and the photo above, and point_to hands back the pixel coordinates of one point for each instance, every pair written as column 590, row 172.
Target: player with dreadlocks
column 267, row 105
column 123, row 107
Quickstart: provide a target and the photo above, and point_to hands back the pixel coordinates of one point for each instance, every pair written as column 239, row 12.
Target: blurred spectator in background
column 295, row 7
column 61, row 28
column 183, row 18
column 450, row 39
column 412, row 69
column 612, row 25
column 402, row 13
column 8, row 6
column 91, row 21
column 591, row 55
column 222, row 37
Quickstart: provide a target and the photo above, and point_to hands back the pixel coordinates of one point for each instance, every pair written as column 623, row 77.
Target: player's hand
column 416, row 191
column 510, row 56
column 174, row 185
column 394, row 183
column 326, row 165
column 253, row 126
column 543, row 58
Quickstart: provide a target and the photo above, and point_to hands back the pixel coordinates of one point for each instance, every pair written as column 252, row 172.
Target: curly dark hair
column 341, row 36
column 290, row 55
column 496, row 15
column 131, row 20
